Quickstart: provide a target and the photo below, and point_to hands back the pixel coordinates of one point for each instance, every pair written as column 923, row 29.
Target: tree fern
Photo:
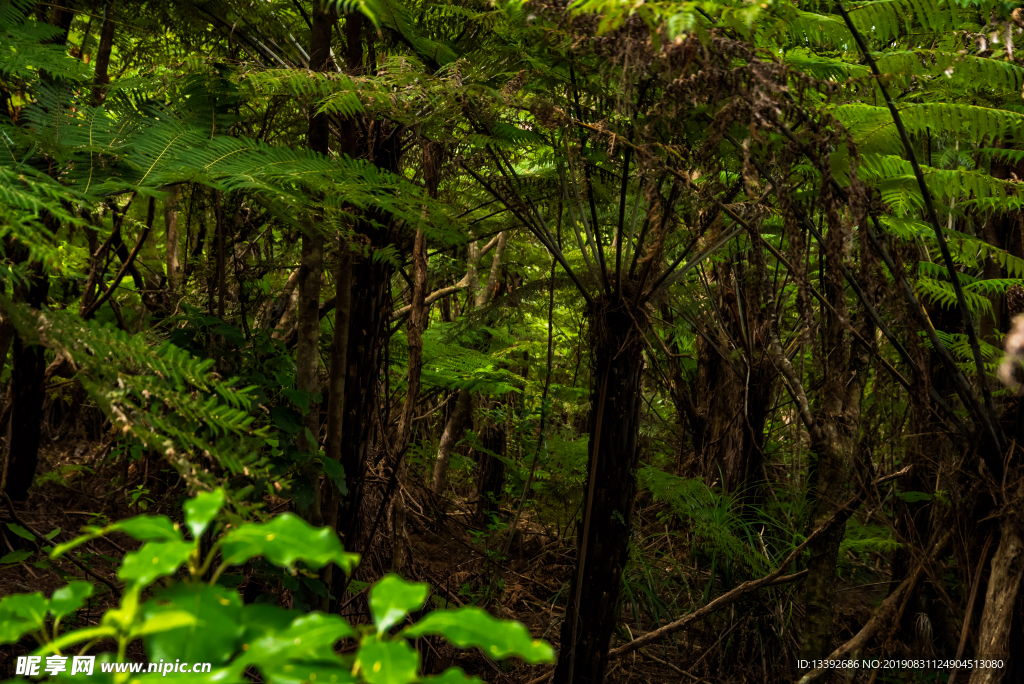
column 714, row 516
column 170, row 401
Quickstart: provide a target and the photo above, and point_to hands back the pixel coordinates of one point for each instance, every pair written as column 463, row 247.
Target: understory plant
column 174, row 603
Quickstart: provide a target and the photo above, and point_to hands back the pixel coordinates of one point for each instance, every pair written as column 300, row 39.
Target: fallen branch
column 14, row 516
column 881, row 617
column 432, row 297
column 773, row 578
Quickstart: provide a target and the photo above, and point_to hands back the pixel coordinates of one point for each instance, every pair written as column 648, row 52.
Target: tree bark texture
column 491, row 470
column 103, row 49
column 171, row 224
column 453, row 431
column 307, row 351
column 835, row 446
column 1000, row 601
column 28, row 372
column 603, row 541
column 331, row 495
column 414, row 336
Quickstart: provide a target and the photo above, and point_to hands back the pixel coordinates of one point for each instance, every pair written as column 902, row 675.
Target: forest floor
column 80, row 483
column 75, row 488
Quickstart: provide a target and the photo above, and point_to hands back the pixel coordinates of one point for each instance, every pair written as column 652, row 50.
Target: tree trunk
column 171, row 223
column 414, row 335
column 491, row 475
column 835, row 444
column 307, row 351
column 27, row 390
column 603, row 542
column 1000, row 599
column 331, row 494
column 449, row 438
column 103, row 49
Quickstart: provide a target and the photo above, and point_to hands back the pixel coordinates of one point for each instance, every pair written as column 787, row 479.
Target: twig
column 80, row 566
column 775, row 577
column 970, row 609
column 972, row 335
column 542, row 678
column 881, row 616
column 88, row 313
column 656, row 659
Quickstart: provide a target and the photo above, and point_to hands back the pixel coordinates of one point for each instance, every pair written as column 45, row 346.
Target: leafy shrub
column 200, row 621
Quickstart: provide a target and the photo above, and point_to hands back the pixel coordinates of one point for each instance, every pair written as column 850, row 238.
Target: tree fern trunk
column 171, row 224
column 1000, row 599
column 449, row 438
column 336, row 391
column 603, row 542
column 27, row 391
column 491, row 474
column 414, row 335
column 310, row 274
column 103, row 49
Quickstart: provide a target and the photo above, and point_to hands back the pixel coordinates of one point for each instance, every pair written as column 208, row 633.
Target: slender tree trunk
column 603, row 541
column 1000, row 600
column 27, row 391
column 449, row 438
column 106, row 44
column 835, row 443
column 491, row 470
column 6, row 336
column 414, row 334
column 336, row 395
column 171, row 223
column 311, row 273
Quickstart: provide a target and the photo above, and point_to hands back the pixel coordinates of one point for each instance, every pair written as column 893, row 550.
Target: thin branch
column 773, row 578
column 94, row 307
column 543, row 236
column 885, row 613
column 954, row 277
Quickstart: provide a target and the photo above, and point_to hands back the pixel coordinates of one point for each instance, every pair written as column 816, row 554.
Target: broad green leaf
column 19, row 614
column 453, row 675
column 201, row 510
column 29, row 607
column 216, row 633
column 314, row 672
column 387, row 662
column 163, row 621
column 89, row 532
column 392, row 598
column 309, row 634
column 261, row 619
column 67, row 600
column 336, row 472
column 285, row 540
column 472, row 626
column 21, row 531
column 16, row 556
column 76, row 637
column 148, row 528
column 154, row 560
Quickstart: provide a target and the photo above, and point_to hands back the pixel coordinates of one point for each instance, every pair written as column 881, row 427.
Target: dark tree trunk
column 603, row 541
column 414, row 330
column 491, row 479
column 311, row 273
column 101, row 79
column 27, row 392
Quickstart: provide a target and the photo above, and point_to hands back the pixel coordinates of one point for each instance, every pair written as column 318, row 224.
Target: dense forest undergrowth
column 379, row 341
